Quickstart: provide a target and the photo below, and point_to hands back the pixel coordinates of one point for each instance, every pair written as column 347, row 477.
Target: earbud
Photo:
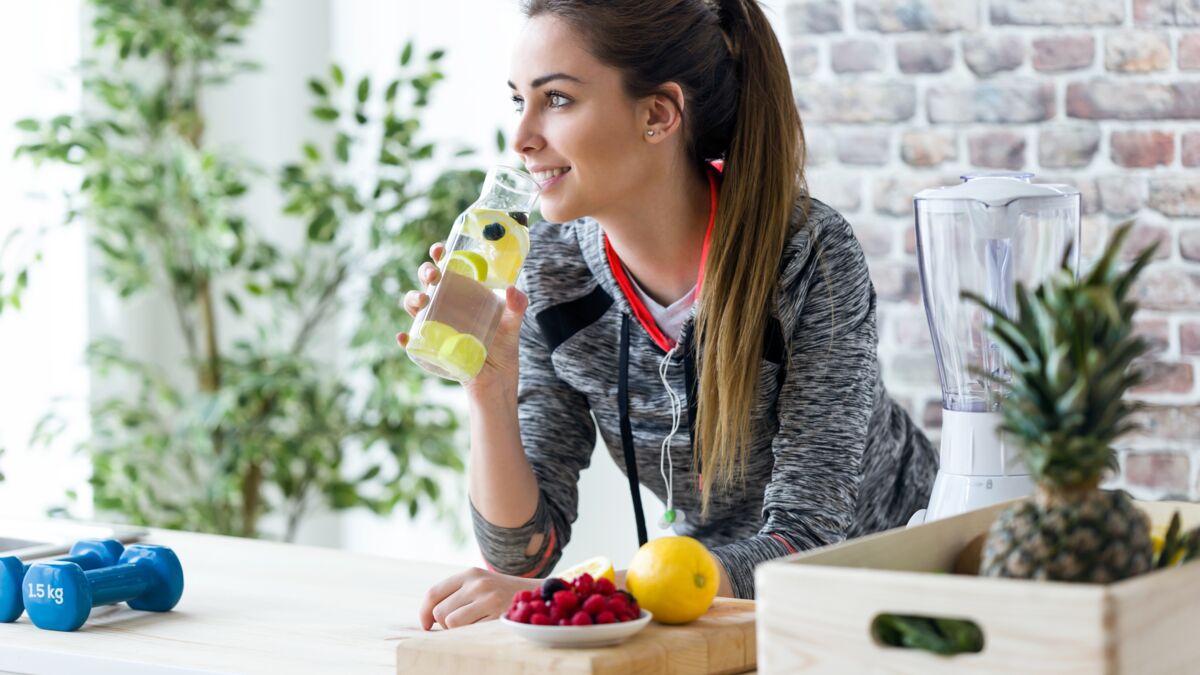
column 671, row 518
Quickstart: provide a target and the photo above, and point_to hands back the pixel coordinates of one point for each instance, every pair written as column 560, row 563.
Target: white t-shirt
column 670, row 319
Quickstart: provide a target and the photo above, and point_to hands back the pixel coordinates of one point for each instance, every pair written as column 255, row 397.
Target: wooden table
column 247, row 607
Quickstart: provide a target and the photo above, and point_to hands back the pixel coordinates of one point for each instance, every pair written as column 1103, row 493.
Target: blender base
column 955, row 493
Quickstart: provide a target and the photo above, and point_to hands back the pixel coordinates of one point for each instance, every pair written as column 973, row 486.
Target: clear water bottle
column 484, row 254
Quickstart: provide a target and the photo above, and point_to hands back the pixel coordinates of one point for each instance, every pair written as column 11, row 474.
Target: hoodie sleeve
column 558, row 435
column 824, row 405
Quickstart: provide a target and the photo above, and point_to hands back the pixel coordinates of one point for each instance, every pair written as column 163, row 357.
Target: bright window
column 41, row 346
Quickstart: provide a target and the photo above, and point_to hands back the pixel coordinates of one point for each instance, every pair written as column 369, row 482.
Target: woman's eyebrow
column 547, row 79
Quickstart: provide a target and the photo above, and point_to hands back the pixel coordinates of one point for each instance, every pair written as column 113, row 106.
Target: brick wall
column 899, row 95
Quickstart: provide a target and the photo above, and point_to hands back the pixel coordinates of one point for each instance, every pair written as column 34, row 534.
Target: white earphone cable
column 666, row 465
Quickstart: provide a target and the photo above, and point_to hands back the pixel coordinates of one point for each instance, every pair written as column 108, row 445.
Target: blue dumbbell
column 89, row 554
column 60, row 596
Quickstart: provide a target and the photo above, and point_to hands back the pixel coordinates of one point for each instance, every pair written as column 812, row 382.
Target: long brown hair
column 726, row 58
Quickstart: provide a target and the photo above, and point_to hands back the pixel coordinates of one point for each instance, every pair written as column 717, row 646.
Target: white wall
column 41, row 347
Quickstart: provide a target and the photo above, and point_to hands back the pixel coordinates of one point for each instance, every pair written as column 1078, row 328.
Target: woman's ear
column 662, row 112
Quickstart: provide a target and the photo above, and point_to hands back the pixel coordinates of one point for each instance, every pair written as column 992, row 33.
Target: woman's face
column 578, row 131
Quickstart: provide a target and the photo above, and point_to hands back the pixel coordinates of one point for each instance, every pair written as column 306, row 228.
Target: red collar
column 618, row 270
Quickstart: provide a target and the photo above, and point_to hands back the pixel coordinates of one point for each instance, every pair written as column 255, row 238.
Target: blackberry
column 552, row 586
column 494, row 231
column 520, row 217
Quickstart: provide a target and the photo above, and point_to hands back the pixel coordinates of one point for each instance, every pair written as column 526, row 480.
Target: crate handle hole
column 940, row 635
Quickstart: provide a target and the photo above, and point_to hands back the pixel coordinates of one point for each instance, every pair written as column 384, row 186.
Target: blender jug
column 983, row 235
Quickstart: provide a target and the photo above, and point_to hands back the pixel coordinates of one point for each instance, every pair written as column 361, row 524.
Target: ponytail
column 763, row 177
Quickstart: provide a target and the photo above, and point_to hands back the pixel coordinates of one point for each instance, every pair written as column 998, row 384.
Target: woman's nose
column 528, row 137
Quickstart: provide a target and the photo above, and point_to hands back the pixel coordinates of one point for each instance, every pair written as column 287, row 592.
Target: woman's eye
column 557, row 100
column 518, row 104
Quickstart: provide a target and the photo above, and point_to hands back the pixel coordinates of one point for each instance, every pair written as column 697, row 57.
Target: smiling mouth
column 544, row 176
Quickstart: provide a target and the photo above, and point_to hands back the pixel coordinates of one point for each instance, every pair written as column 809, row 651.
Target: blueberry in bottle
column 494, row 231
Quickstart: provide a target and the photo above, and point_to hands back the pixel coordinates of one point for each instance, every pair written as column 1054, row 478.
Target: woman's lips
column 554, row 178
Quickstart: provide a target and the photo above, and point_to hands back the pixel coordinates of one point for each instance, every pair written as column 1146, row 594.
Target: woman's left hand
column 471, row 596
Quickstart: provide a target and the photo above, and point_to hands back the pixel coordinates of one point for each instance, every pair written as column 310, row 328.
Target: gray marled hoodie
column 832, row 455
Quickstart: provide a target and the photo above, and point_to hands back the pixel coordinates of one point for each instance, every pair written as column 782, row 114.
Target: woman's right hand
column 500, row 369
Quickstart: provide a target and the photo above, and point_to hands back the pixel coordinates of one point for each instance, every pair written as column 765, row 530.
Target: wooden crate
column 815, row 609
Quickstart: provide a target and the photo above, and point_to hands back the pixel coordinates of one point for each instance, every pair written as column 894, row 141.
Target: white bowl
column 596, row 635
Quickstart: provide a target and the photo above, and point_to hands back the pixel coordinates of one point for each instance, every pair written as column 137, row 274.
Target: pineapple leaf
column 1102, row 271
column 1069, row 358
column 1125, row 283
column 1192, row 549
column 1172, row 544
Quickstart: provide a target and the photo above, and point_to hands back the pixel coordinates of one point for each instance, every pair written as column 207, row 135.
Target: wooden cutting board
column 721, row 641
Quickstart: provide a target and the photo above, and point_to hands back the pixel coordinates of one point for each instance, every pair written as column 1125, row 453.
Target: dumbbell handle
column 119, row 583
column 87, row 561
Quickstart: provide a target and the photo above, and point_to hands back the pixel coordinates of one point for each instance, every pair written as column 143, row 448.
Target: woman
column 717, row 323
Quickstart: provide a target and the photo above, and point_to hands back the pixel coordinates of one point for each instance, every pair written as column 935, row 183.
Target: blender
column 983, row 235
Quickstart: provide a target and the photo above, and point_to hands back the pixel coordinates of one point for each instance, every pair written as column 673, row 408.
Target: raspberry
column 558, row 613
column 618, row 604
column 564, row 622
column 581, row 618
column 552, row 586
column 524, row 596
column 604, row 586
column 539, row 619
column 606, row 617
column 595, row 604
column 584, row 584
column 520, row 608
column 537, row 605
column 566, row 599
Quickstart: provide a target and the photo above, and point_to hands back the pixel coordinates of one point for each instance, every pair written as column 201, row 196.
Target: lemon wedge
column 598, row 567
column 464, row 354
column 429, row 338
column 468, row 264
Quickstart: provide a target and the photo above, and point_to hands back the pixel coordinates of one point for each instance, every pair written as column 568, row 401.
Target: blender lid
column 996, row 189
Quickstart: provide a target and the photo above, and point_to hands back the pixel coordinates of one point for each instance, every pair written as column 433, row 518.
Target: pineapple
column 1069, row 351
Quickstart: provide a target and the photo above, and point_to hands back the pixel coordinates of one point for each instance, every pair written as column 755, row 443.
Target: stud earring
column 650, row 133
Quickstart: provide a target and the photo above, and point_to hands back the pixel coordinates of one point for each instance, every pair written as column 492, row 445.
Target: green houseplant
column 261, row 426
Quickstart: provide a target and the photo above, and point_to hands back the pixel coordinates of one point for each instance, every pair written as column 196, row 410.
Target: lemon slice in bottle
column 430, row 337
column 469, row 264
column 504, row 242
column 463, row 354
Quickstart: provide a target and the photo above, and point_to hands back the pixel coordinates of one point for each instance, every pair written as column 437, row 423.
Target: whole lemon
column 675, row 578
